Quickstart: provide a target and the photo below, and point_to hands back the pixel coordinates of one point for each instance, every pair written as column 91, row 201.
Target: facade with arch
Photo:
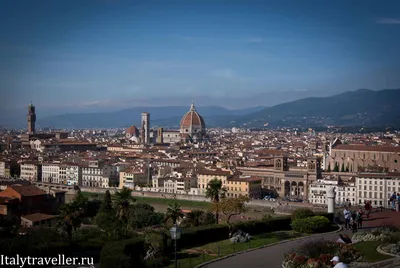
column 281, row 179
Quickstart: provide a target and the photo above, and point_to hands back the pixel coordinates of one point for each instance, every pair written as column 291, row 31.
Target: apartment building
column 132, row 177
column 346, row 193
column 377, row 187
column 73, row 174
column 248, row 186
column 205, row 176
column 97, row 173
column 51, row 172
column 3, row 169
column 178, row 185
column 31, row 170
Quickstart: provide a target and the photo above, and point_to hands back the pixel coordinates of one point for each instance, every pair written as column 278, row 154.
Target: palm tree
column 194, row 217
column 174, row 212
column 72, row 215
column 123, row 200
column 215, row 192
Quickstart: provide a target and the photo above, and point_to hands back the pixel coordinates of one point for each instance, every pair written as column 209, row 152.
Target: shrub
column 202, row 235
column 329, row 216
column 315, row 224
column 263, row 226
column 125, row 253
column 302, row 213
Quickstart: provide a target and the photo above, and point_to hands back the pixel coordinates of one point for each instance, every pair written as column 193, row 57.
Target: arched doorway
column 294, row 191
column 301, row 192
column 287, row 188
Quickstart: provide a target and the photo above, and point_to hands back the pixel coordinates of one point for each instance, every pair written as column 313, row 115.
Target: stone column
column 330, row 195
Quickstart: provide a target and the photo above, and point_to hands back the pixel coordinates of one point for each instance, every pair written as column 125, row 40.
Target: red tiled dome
column 192, row 118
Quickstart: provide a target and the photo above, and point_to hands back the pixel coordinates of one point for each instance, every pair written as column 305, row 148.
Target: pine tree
column 342, row 169
column 106, row 205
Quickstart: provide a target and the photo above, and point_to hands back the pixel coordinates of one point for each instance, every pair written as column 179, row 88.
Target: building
column 363, row 158
column 192, row 126
column 99, row 174
column 31, row 170
column 73, row 174
column 132, row 134
column 178, row 185
column 39, row 219
column 3, row 169
column 280, row 179
column 30, row 199
column 31, row 119
column 346, row 193
column 51, row 173
column 205, row 176
column 145, row 129
column 132, row 177
column 246, row 186
column 377, row 187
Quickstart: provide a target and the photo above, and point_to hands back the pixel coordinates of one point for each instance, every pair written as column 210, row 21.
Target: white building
column 346, row 193
column 99, row 174
column 31, row 171
column 377, row 187
column 2, row 168
column 73, row 174
column 51, row 172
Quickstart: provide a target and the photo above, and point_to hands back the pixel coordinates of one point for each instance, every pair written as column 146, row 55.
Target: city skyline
column 107, row 54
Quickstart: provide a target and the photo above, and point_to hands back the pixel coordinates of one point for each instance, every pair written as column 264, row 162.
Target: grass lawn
column 185, row 204
column 368, row 249
column 192, row 257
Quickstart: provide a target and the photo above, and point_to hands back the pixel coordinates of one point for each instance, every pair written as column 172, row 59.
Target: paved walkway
column 271, row 257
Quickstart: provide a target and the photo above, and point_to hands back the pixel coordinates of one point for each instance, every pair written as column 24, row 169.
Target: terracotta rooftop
column 27, row 190
column 366, row 148
column 38, row 217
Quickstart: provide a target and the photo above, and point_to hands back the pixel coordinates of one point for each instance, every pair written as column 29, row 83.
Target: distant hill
column 362, row 107
column 165, row 116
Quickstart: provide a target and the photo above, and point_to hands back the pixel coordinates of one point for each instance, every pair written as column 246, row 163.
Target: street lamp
column 175, row 235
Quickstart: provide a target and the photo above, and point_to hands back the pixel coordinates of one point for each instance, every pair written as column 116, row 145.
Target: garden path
column 271, row 257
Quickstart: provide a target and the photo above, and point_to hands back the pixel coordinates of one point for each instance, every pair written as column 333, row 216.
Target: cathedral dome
column 192, row 120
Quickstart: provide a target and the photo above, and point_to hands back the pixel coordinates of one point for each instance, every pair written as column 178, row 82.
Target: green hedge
column 192, row 237
column 310, row 225
column 123, row 254
column 329, row 216
column 264, row 226
column 302, row 213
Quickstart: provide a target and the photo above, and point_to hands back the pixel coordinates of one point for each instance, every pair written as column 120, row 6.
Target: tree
column 174, row 212
column 73, row 213
column 347, row 168
column 329, row 167
column 143, row 215
column 9, row 225
column 194, row 217
column 233, row 207
column 342, row 169
column 15, row 169
column 123, row 200
column 215, row 192
column 336, row 168
column 106, row 204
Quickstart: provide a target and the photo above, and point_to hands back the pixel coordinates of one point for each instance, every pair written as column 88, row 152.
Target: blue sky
column 80, row 53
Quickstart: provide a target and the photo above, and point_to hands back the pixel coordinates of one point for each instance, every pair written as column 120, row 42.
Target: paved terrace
column 272, row 257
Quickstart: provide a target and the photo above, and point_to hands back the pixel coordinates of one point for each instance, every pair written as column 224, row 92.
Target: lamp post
column 175, row 235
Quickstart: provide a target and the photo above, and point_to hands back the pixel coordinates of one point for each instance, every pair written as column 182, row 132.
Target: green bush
column 196, row 236
column 264, row 226
column 123, row 254
column 329, row 216
column 315, row 224
column 302, row 213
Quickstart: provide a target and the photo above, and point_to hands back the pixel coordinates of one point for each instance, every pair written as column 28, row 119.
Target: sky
column 74, row 54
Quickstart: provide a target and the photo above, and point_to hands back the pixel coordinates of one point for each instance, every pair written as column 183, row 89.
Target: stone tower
column 31, row 119
column 160, row 133
column 145, row 135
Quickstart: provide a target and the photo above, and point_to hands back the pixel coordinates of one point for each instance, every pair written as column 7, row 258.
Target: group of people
column 353, row 220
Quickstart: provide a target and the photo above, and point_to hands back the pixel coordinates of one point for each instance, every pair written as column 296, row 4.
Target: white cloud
column 389, row 21
column 223, row 73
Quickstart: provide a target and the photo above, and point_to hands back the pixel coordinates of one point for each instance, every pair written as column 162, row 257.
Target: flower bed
column 318, row 255
column 392, row 248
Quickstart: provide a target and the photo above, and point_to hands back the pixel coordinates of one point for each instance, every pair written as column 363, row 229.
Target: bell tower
column 31, row 119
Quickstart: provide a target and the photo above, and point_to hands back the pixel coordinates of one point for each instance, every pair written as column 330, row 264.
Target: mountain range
column 362, row 107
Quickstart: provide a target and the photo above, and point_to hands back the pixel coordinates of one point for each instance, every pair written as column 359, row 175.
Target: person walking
column 338, row 264
column 353, row 223
column 368, row 208
column 347, row 216
column 359, row 218
column 393, row 199
column 398, row 202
